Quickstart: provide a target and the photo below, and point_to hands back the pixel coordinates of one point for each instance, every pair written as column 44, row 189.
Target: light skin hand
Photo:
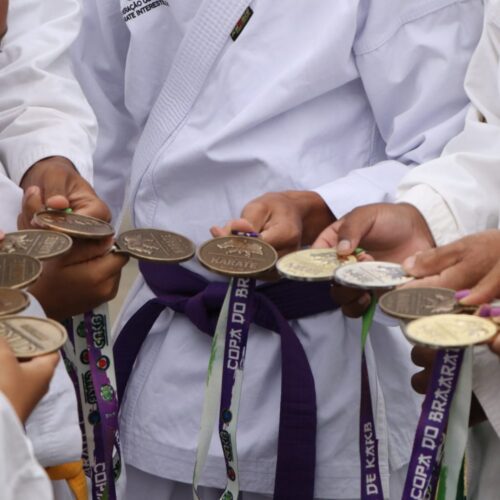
column 387, row 232
column 24, row 384
column 287, row 220
column 80, row 280
column 55, row 183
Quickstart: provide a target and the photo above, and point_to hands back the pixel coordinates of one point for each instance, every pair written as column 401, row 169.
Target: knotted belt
column 274, row 305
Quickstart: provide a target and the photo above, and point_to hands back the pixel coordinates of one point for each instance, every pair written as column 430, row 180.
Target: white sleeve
column 42, row 109
column 414, row 82
column 99, row 56
column 21, row 476
column 467, row 176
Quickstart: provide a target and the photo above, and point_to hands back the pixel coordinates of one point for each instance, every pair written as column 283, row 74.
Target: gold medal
column 18, row 271
column 75, row 225
column 311, row 264
column 237, row 256
column 450, row 331
column 36, row 243
column 29, row 337
column 155, row 245
column 371, row 275
column 12, row 301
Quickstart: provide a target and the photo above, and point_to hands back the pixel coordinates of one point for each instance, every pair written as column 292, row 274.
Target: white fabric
column 42, row 112
column 20, row 474
column 307, row 97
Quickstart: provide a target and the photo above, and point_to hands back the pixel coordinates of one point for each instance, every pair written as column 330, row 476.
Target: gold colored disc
column 18, row 271
column 12, row 301
column 37, row 243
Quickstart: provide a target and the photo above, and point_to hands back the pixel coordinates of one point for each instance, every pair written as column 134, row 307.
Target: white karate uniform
column 341, row 97
column 459, row 194
column 42, row 113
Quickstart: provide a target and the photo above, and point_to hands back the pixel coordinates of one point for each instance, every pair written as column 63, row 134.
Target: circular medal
column 75, row 225
column 36, row 243
column 29, row 337
column 18, row 271
column 237, row 256
column 371, row 275
column 156, row 245
column 450, row 330
column 412, row 303
column 12, row 301
column 311, row 264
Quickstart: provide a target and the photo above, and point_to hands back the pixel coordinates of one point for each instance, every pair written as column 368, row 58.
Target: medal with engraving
column 413, row 303
column 312, row 264
column 446, row 331
column 237, row 256
column 371, row 275
column 29, row 337
column 12, row 301
column 155, row 245
column 18, row 271
column 37, row 243
column 75, row 225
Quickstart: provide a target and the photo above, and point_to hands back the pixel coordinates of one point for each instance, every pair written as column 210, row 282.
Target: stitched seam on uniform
column 415, row 15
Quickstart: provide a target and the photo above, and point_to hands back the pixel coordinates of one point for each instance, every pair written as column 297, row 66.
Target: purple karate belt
column 274, row 304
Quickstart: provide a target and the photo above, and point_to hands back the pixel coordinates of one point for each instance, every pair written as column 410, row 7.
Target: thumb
column 354, row 228
column 328, row 238
column 432, row 262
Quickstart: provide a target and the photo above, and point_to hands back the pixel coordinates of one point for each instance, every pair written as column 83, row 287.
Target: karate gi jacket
column 459, row 194
column 340, row 97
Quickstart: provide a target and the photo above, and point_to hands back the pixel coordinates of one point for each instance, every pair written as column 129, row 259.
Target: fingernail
column 461, row 294
column 344, row 246
column 494, row 312
column 30, row 191
column 484, row 311
column 409, row 262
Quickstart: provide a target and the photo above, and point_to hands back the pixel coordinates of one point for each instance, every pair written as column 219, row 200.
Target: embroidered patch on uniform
column 240, row 25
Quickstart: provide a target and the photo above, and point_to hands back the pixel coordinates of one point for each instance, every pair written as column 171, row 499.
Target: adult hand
column 24, row 384
column 287, row 220
column 80, row 280
column 55, row 183
column 386, row 231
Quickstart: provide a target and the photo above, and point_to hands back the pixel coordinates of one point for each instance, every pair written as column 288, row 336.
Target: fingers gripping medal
column 240, row 257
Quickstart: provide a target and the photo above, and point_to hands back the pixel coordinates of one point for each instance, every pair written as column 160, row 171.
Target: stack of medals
column 326, row 265
column 242, row 258
column 89, row 354
column 20, row 256
column 432, row 317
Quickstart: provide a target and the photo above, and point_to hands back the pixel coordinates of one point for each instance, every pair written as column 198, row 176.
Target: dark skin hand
column 286, row 220
column 387, row 232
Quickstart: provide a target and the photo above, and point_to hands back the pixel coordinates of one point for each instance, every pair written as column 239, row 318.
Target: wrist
column 57, row 164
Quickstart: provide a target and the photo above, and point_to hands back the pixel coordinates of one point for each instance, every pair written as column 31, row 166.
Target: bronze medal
column 155, row 245
column 311, row 264
column 371, row 275
column 75, row 225
column 413, row 303
column 237, row 256
column 29, row 337
column 18, row 271
column 12, row 301
column 445, row 331
column 36, row 243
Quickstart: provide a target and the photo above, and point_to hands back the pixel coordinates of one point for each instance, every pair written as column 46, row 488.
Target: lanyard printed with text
column 226, row 374
column 371, row 481
column 99, row 404
column 432, row 424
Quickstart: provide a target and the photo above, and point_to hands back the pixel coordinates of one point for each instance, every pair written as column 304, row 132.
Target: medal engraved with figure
column 156, row 245
column 372, row 275
column 12, row 301
column 29, row 337
column 312, row 264
column 75, row 225
column 237, row 256
column 36, row 243
column 413, row 303
column 450, row 331
column 18, row 271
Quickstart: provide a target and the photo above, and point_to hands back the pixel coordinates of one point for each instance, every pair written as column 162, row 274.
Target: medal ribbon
column 371, row 481
column 93, row 357
column 432, row 424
